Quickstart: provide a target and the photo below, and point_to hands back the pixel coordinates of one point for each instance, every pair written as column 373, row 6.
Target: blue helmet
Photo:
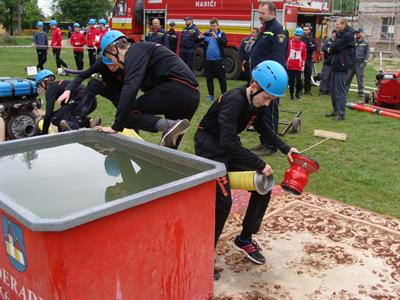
column 111, row 166
column 53, row 23
column 77, row 25
column 271, row 77
column 39, row 24
column 102, row 21
column 299, row 31
column 43, row 75
column 107, row 39
column 92, row 22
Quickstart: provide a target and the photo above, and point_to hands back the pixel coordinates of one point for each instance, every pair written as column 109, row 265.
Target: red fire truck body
column 236, row 18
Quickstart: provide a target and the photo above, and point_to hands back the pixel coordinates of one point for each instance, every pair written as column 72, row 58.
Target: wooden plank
column 331, row 134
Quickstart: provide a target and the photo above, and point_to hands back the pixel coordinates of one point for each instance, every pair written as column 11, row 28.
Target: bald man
column 157, row 34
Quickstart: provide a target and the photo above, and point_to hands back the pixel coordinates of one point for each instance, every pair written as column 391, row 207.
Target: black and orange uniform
column 187, row 46
column 159, row 36
column 110, row 87
column 173, row 39
column 53, row 91
column 169, row 87
column 217, row 139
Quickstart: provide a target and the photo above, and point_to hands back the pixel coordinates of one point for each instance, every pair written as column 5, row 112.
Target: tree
column 18, row 14
column 82, row 10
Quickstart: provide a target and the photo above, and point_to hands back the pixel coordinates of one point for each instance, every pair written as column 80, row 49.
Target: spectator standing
column 213, row 42
column 362, row 56
column 172, row 37
column 41, row 43
column 343, row 60
column 244, row 52
column 56, row 40
column 91, row 34
column 189, row 41
column 157, row 34
column 77, row 42
column 295, row 63
column 271, row 44
column 308, row 67
column 100, row 32
column 326, row 72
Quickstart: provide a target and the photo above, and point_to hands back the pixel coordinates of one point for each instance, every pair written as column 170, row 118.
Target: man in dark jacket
column 157, row 34
column 326, row 72
column 343, row 60
column 188, row 43
column 310, row 43
column 173, row 37
column 217, row 139
column 244, row 52
column 362, row 56
column 214, row 41
column 271, row 44
column 169, row 87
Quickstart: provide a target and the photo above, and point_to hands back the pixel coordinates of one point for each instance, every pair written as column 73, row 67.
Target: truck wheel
column 198, row 62
column 21, row 126
column 232, row 63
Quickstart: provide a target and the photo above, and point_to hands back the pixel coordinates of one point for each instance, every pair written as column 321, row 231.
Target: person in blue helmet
column 217, row 139
column 41, row 43
column 46, row 84
column 169, row 88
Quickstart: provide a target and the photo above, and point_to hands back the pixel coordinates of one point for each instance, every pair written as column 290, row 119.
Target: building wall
column 370, row 17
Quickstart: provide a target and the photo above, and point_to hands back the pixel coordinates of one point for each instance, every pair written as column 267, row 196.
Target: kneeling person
column 217, row 139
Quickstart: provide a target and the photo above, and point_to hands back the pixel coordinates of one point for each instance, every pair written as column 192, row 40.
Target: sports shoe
column 65, row 126
column 250, row 249
column 170, row 136
column 94, row 122
column 210, row 98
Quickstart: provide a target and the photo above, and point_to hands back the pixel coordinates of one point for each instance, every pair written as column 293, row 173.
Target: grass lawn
column 363, row 171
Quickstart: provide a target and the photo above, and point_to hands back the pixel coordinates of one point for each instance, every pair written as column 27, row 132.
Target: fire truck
column 236, row 18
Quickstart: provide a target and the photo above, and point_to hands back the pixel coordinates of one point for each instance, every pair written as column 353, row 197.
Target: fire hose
column 372, row 110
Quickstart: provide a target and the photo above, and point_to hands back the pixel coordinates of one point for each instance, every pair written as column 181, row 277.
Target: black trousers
column 88, row 102
column 78, row 55
column 215, row 68
column 65, row 112
column 307, row 75
column 187, row 55
column 271, row 118
column 326, row 77
column 294, row 80
column 59, row 61
column 42, row 58
column 92, row 55
column 208, row 146
column 173, row 99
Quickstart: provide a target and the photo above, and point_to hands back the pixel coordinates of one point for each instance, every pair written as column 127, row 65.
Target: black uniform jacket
column 229, row 116
column 148, row 65
column 53, row 91
column 112, row 79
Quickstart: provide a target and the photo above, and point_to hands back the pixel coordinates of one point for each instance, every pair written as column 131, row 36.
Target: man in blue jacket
column 214, row 41
column 189, row 41
column 271, row 44
column 157, row 34
column 343, row 60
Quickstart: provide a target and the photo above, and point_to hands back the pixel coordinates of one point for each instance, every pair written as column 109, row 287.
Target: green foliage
column 81, row 10
column 8, row 13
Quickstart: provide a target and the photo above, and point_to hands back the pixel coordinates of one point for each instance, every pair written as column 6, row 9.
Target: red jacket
column 56, row 38
column 297, row 55
column 91, row 34
column 100, row 33
column 77, row 41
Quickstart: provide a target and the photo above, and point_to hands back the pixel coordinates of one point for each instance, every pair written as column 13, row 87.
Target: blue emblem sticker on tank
column 14, row 243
